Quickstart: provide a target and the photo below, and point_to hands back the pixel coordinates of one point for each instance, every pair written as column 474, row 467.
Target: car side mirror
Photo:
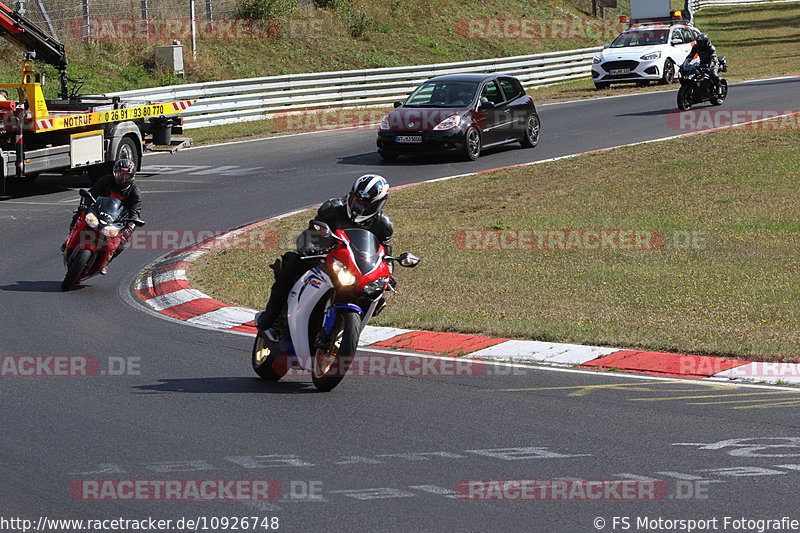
column 606, row 46
column 397, row 104
column 486, row 104
column 676, row 42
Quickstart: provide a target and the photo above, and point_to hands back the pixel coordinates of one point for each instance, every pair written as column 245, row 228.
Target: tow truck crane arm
column 27, row 36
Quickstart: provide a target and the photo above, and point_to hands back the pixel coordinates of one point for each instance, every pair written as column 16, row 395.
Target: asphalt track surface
column 376, row 454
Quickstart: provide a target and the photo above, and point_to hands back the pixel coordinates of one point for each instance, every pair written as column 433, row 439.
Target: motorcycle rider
column 361, row 208
column 707, row 54
column 120, row 184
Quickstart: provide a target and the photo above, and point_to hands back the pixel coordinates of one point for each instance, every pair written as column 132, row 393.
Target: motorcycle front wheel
column 266, row 363
column 718, row 99
column 332, row 362
column 75, row 270
column 685, row 98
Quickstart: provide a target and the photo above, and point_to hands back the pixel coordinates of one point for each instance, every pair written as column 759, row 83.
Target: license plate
column 408, row 138
column 620, row 71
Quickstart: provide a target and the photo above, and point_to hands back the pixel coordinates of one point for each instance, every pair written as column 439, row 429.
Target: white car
column 642, row 54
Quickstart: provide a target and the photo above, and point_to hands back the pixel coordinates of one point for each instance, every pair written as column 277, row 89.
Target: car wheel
column 530, row 137
column 472, row 144
column 669, row 73
column 601, row 85
column 388, row 156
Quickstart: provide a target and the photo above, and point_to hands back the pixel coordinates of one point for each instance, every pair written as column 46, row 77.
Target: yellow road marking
column 583, row 390
column 751, row 400
column 706, row 396
column 765, row 406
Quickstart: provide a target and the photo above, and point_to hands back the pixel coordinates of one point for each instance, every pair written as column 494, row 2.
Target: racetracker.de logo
column 192, row 490
column 176, row 28
column 633, row 490
column 72, row 366
column 256, row 240
column 382, row 366
column 548, row 240
column 537, row 29
column 750, row 119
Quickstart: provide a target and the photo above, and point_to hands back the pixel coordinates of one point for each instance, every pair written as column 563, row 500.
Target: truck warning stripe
column 112, row 115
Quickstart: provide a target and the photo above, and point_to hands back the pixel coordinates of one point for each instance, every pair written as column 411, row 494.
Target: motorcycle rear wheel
column 685, row 98
column 75, row 270
column 264, row 359
column 717, row 100
column 330, row 364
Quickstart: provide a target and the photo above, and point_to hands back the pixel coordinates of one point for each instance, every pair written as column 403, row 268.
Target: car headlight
column 344, row 277
column 651, row 56
column 376, row 286
column 448, row 123
column 110, row 231
column 91, row 220
column 385, row 123
column 597, row 59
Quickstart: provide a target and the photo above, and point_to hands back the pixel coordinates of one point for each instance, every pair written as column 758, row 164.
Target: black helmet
column 703, row 39
column 367, row 197
column 124, row 173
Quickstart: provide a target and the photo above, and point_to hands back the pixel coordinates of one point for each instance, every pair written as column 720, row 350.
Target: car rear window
column 511, row 88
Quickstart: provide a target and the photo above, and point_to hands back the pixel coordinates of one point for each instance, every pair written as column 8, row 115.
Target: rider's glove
column 126, row 235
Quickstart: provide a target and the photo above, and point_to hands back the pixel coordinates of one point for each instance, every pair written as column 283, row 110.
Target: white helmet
column 367, row 197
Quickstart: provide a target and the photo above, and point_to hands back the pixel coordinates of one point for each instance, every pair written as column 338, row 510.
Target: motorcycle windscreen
column 365, row 249
column 107, row 209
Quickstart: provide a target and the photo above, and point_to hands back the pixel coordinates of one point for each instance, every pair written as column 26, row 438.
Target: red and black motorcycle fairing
column 94, row 238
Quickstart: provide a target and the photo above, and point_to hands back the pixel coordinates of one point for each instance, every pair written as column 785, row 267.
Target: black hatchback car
column 460, row 113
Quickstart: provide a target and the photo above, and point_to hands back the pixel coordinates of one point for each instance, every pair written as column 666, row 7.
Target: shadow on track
column 652, row 113
column 228, row 386
column 374, row 159
column 37, row 286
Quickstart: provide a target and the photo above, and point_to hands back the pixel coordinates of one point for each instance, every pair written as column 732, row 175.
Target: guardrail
column 696, row 5
column 230, row 101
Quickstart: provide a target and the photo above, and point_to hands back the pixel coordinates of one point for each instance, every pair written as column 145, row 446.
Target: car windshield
column 443, row 94
column 641, row 38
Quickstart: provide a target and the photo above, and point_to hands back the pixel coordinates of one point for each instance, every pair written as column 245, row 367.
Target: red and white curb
column 163, row 287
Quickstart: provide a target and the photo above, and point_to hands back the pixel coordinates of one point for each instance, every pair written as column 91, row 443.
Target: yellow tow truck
column 72, row 133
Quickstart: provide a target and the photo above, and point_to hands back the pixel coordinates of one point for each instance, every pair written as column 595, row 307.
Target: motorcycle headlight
column 651, row 56
column 385, row 123
column 110, row 231
column 374, row 287
column 91, row 220
column 448, row 123
column 345, row 278
column 597, row 59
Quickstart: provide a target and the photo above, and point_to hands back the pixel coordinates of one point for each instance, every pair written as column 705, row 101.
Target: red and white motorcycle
column 328, row 307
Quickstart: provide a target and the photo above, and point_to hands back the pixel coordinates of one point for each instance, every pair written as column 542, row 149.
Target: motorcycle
column 94, row 238
column 696, row 85
column 328, row 307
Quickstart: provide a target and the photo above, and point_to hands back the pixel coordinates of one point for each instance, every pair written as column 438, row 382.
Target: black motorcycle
column 697, row 87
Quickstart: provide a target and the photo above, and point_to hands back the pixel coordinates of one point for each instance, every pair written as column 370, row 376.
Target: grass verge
column 725, row 281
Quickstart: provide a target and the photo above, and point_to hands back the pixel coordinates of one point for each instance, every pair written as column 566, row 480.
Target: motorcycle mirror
column 408, row 260
column 320, row 227
column 86, row 194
